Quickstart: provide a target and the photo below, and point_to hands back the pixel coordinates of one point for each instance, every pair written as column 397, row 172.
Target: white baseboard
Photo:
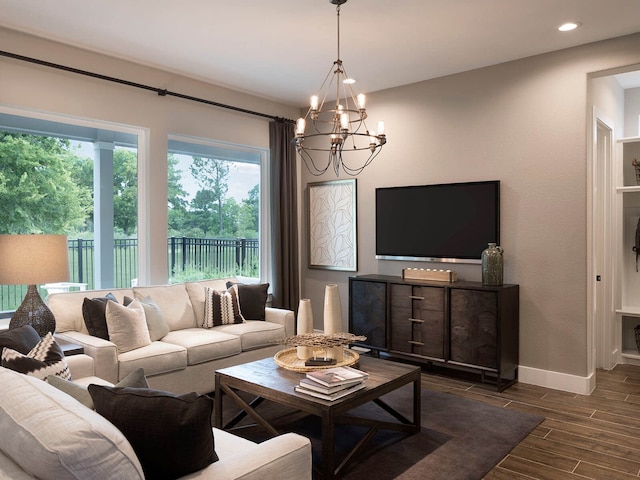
column 557, row 380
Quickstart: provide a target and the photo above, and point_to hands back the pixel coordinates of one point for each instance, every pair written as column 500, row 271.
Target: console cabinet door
column 474, row 321
column 417, row 320
column 368, row 312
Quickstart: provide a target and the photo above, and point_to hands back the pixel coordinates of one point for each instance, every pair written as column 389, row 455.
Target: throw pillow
column 221, row 308
column 21, row 339
column 252, row 298
column 127, row 326
column 156, row 322
column 135, row 379
column 45, row 359
column 171, row 434
column 93, row 313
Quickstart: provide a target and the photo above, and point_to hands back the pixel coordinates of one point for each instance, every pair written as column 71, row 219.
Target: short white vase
column 333, row 319
column 304, row 325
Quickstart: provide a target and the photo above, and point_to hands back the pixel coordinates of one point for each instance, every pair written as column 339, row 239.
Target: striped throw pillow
column 221, row 308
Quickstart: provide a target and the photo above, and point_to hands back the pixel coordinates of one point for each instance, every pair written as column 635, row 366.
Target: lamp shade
column 33, row 259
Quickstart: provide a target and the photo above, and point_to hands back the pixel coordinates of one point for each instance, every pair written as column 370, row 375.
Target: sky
column 242, row 176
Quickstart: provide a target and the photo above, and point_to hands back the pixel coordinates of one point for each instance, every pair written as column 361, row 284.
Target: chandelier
column 340, row 125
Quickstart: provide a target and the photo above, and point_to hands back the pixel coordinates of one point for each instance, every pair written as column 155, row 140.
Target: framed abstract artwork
column 333, row 242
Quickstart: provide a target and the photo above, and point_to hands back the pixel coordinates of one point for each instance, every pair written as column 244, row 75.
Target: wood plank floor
column 595, row 436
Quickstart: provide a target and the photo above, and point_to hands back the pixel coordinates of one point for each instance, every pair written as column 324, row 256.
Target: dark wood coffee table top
column 266, row 380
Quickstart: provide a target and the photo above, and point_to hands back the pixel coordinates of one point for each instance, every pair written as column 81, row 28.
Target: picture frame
column 332, row 225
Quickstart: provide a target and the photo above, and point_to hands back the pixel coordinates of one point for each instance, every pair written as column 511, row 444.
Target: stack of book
column 332, row 383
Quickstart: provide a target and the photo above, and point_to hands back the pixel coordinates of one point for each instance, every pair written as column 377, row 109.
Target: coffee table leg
column 417, row 403
column 217, row 404
column 328, row 448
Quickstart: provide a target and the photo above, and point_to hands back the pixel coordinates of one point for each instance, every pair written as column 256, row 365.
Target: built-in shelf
column 629, row 311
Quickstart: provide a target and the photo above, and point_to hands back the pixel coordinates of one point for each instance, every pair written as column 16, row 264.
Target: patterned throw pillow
column 221, row 308
column 45, row 359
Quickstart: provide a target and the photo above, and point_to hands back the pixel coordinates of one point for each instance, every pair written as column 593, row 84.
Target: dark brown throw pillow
column 252, row 299
column 93, row 313
column 21, row 339
column 171, row 434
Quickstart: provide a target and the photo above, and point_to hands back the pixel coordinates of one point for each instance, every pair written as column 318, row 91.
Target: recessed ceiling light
column 567, row 27
column 349, row 80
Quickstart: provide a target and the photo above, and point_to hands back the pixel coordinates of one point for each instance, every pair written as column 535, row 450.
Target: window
column 217, row 220
column 92, row 198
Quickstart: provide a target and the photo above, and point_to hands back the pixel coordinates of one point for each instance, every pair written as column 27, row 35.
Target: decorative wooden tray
column 289, row 359
column 428, row 274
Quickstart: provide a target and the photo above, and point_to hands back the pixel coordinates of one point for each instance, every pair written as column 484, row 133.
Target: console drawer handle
column 416, row 343
column 415, row 297
column 416, row 320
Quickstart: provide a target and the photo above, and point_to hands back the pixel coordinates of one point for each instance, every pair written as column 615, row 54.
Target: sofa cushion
column 174, row 303
column 205, row 345
column 156, row 358
column 252, row 298
column 156, row 323
column 45, row 359
column 196, row 291
column 255, row 333
column 21, row 339
column 221, row 308
column 171, row 434
column 94, row 316
column 135, row 379
column 127, row 326
column 55, row 437
column 67, row 307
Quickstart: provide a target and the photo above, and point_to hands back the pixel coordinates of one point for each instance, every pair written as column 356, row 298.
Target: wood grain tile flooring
column 593, row 436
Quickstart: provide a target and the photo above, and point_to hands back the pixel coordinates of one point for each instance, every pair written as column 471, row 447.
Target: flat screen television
column 451, row 222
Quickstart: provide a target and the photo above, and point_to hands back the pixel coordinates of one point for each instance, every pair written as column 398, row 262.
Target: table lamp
column 30, row 260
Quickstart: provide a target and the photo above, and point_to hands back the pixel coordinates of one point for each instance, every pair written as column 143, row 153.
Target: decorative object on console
column 333, row 318
column 30, row 260
column 428, row 274
column 492, row 265
column 344, row 120
column 304, row 325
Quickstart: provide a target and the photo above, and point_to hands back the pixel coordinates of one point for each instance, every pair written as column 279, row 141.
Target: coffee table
column 266, row 380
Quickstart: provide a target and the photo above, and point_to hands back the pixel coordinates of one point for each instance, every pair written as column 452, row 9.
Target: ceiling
column 282, row 49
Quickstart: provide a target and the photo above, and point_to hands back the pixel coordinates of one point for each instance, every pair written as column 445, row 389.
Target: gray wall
column 524, row 123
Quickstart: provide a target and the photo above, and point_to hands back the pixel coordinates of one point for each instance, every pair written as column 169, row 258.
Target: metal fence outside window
column 189, row 259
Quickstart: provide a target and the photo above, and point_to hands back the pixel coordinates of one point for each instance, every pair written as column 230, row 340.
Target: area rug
column 460, row 439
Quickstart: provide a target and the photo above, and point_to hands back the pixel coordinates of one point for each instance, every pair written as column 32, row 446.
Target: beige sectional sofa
column 51, row 435
column 185, row 359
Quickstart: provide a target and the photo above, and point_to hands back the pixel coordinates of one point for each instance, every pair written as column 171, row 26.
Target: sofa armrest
column 103, row 352
column 81, row 366
column 285, row 457
column 283, row 317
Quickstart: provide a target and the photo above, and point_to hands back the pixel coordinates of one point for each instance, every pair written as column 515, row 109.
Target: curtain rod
column 160, row 91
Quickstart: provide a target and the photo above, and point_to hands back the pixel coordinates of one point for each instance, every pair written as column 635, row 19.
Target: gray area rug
column 461, row 439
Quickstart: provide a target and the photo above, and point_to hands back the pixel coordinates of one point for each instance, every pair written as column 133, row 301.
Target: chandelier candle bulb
column 314, row 102
column 380, row 127
column 362, row 100
column 300, row 126
column 344, row 121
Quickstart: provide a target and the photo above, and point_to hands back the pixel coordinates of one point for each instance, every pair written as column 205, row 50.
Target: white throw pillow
column 127, row 326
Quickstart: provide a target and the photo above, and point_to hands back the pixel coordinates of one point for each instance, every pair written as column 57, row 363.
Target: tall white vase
column 333, row 319
column 304, row 325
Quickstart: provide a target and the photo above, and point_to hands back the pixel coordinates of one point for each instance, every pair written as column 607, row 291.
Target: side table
column 69, row 348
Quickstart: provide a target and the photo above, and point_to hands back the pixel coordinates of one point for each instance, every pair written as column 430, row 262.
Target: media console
column 460, row 325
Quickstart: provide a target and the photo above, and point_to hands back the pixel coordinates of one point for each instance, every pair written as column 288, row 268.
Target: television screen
column 444, row 222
